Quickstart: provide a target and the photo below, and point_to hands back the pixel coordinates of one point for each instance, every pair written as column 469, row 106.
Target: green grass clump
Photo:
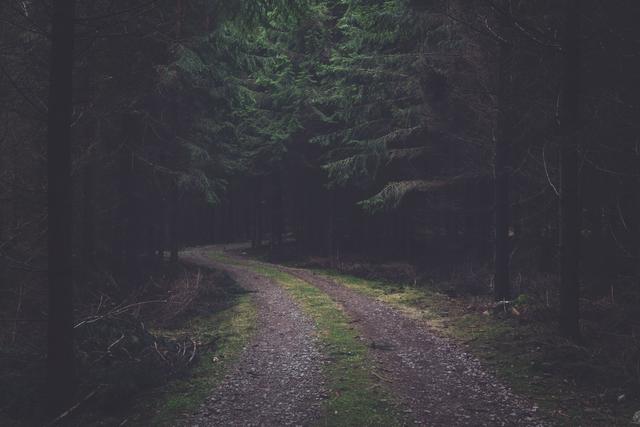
column 419, row 303
column 231, row 329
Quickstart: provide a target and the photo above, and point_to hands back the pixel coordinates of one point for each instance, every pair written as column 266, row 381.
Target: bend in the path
column 441, row 383
column 278, row 377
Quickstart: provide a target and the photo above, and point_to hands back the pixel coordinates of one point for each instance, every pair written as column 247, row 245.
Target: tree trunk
column 276, row 210
column 212, row 225
column 502, row 286
column 230, row 220
column 61, row 377
column 569, row 197
column 88, row 199
column 88, row 190
column 257, row 212
column 126, row 245
column 173, row 224
column 161, row 229
column 179, row 16
column 92, row 133
column 484, row 225
column 331, row 226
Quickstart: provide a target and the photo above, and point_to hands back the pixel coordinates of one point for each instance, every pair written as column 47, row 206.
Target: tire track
column 277, row 380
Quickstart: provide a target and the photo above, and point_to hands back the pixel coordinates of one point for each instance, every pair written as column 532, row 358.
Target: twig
column 193, row 353
column 380, row 376
column 115, row 312
column 108, row 350
column 115, row 343
column 73, row 408
column 100, row 304
column 155, row 345
column 546, row 171
column 18, row 308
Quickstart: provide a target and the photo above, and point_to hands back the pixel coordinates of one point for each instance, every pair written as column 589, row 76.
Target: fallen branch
column 115, row 343
column 73, row 408
column 155, row 345
column 377, row 375
column 193, row 354
column 115, row 312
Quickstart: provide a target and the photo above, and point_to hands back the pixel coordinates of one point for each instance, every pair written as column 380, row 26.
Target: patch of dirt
column 278, row 378
column 441, row 384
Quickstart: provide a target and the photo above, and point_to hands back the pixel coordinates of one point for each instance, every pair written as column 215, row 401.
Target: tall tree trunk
column 230, row 220
column 276, row 210
column 179, row 17
column 485, row 219
column 88, row 197
column 502, row 286
column 331, row 226
column 173, row 223
column 61, row 377
column 3, row 164
column 125, row 245
column 212, row 225
column 257, row 213
column 569, row 197
column 92, row 133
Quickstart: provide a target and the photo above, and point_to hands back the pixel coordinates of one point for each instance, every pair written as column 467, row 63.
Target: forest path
column 435, row 379
column 277, row 380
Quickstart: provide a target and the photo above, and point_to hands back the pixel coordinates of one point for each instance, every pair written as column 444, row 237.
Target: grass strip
column 356, row 395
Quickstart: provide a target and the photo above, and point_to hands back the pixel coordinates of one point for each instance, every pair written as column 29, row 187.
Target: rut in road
column 440, row 383
column 278, row 379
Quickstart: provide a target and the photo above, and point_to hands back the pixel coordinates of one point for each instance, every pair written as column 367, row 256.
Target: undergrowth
column 230, row 330
column 146, row 354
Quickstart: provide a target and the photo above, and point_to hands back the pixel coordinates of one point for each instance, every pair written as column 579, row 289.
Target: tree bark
column 331, row 226
column 61, row 377
column 502, row 286
column 257, row 213
column 173, row 224
column 569, row 197
column 88, row 226
column 276, row 210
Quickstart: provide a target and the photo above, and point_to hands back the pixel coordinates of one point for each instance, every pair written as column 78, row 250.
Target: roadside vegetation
column 149, row 354
column 230, row 329
column 573, row 384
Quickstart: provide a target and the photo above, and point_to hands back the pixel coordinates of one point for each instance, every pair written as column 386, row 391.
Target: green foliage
column 340, row 76
column 335, row 86
column 393, row 193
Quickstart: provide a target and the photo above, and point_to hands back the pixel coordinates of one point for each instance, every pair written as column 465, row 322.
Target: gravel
column 438, row 381
column 278, row 379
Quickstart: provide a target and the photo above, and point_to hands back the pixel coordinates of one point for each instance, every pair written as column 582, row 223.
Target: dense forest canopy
column 495, row 136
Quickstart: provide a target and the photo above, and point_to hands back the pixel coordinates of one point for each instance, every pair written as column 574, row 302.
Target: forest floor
column 326, row 354
column 237, row 340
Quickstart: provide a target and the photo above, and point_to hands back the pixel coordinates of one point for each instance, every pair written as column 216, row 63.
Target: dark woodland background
column 488, row 147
